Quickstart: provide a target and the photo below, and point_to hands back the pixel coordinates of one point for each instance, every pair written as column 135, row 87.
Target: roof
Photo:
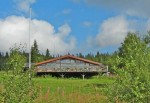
column 67, row 57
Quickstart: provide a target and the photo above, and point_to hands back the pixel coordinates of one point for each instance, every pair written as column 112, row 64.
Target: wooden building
column 69, row 64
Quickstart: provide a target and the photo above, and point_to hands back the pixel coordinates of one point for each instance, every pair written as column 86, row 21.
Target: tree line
column 105, row 58
column 36, row 56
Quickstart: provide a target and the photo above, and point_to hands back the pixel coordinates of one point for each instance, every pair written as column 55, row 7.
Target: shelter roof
column 67, row 57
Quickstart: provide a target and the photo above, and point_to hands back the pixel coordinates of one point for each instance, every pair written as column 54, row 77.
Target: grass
column 69, row 90
column 72, row 84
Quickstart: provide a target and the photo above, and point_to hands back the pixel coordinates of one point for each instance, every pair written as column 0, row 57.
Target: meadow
column 70, row 90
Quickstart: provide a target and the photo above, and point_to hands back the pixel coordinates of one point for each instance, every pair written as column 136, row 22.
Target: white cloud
column 112, row 31
column 24, row 5
column 138, row 8
column 87, row 24
column 15, row 29
column 64, row 31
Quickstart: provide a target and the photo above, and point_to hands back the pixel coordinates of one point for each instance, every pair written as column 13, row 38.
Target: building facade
column 69, row 63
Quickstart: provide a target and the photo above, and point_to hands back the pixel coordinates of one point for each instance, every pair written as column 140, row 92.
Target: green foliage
column 48, row 56
column 146, row 38
column 3, row 59
column 34, row 52
column 16, row 60
column 92, row 85
column 18, row 88
column 68, row 90
column 132, row 68
column 80, row 55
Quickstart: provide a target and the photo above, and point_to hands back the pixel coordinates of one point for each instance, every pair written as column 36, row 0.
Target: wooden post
column 62, row 75
column 60, row 65
column 83, row 75
column 97, row 76
column 107, row 70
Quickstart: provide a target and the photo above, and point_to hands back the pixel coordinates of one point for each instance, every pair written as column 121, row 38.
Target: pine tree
column 6, row 55
column 80, row 55
column 0, row 54
column 97, row 57
column 34, row 52
column 47, row 56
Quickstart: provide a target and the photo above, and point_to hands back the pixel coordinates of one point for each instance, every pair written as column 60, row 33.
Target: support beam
column 97, row 76
column 107, row 71
column 83, row 75
column 62, row 75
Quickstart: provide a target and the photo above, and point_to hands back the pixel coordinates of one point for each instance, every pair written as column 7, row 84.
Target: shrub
column 18, row 88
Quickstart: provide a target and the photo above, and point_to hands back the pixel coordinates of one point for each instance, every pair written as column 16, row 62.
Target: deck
column 38, row 70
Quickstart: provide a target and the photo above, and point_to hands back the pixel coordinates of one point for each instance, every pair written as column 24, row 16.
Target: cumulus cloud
column 15, row 29
column 112, row 31
column 138, row 8
column 24, row 5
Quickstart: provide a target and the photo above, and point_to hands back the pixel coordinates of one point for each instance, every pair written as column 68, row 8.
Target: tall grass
column 72, row 90
column 73, row 84
column 60, row 96
column 68, row 90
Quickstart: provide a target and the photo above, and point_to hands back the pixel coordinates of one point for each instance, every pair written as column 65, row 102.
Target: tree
column 132, row 68
column 16, row 60
column 1, row 55
column 47, row 56
column 34, row 52
column 129, row 44
column 6, row 55
column 81, row 55
column 146, row 38
column 89, row 56
column 17, row 86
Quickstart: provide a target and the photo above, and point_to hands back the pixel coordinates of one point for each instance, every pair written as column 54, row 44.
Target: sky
column 74, row 26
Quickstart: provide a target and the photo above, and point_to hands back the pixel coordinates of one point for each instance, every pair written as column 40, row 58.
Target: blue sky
column 72, row 25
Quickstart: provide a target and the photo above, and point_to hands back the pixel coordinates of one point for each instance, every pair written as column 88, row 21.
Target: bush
column 133, row 74
column 18, row 87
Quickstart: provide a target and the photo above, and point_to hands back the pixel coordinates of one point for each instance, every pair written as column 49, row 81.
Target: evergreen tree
column 34, row 52
column 47, row 56
column 68, row 53
column 1, row 55
column 6, row 55
column 89, row 56
column 97, row 57
column 81, row 55
column 47, row 53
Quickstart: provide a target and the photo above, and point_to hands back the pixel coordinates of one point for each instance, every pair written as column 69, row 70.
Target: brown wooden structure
column 69, row 64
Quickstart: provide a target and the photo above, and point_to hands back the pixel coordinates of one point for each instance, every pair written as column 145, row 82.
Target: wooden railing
column 70, row 70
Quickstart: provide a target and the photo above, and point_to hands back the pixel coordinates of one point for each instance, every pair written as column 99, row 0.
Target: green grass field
column 70, row 90
column 72, row 84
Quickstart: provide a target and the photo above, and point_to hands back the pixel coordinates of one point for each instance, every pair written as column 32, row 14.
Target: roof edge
column 67, row 56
